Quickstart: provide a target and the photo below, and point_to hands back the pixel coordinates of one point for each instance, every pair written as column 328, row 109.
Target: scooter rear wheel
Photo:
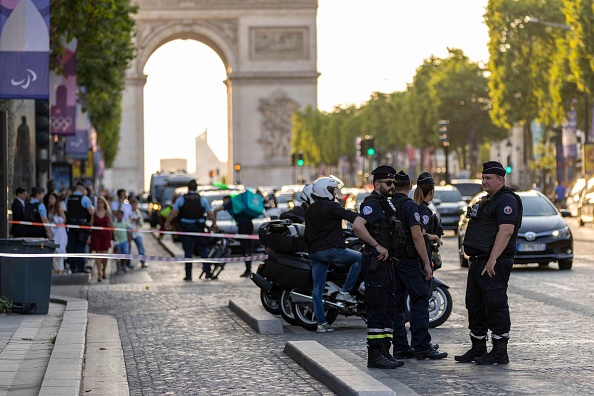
column 270, row 300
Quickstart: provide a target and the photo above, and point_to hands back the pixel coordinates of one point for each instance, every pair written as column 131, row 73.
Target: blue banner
column 24, row 49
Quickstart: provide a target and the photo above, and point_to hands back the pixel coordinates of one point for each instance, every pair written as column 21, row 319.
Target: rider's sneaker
column 324, row 328
column 346, row 297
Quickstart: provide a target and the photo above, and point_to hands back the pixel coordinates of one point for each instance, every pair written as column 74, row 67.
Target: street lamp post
column 445, row 142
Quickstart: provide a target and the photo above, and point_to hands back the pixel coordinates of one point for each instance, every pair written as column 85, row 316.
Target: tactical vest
column 409, row 250
column 76, row 214
column 482, row 228
column 32, row 214
column 388, row 232
column 192, row 208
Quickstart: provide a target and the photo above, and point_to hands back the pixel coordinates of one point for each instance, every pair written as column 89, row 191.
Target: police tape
column 237, row 259
column 85, row 227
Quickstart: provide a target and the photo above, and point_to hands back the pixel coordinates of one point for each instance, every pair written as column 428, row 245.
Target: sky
column 363, row 47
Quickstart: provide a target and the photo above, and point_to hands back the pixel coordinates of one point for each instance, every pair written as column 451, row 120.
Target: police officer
column 374, row 226
column 191, row 209
column 490, row 241
column 79, row 210
column 35, row 211
column 413, row 276
column 432, row 229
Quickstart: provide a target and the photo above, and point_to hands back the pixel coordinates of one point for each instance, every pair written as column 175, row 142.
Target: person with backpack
column 376, row 226
column 36, row 212
column 244, row 227
column 413, row 275
column 191, row 209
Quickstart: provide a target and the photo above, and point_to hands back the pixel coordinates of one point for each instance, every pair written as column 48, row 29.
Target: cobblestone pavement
column 181, row 338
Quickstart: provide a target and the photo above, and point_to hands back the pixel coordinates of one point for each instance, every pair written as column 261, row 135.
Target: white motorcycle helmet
column 324, row 187
column 305, row 194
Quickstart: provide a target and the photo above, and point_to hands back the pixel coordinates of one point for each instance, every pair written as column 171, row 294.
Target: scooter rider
column 297, row 214
column 326, row 244
column 375, row 227
column 413, row 277
column 490, row 241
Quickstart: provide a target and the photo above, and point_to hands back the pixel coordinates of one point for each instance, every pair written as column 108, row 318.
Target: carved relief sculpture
column 275, row 127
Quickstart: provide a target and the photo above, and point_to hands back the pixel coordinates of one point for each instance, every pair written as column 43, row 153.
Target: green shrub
column 5, row 305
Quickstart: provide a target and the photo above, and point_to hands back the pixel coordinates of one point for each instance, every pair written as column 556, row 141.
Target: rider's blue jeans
column 319, row 268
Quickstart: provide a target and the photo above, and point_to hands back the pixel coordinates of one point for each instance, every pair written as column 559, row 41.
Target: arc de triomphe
column 269, row 50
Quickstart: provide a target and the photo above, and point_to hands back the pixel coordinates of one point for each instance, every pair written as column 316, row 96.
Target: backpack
column 31, row 213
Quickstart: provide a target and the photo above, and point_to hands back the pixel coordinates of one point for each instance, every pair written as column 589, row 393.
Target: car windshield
column 469, row 189
column 537, row 206
column 448, row 195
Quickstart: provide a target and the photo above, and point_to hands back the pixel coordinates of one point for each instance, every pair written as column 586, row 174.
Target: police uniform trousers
column 192, row 243
column 77, row 243
column 379, row 298
column 410, row 280
column 486, row 297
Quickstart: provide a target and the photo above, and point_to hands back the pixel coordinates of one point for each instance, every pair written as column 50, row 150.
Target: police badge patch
column 367, row 210
column 425, row 219
column 418, row 217
column 507, row 210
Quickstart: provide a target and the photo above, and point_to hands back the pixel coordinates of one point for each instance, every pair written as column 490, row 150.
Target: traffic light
column 292, row 159
column 300, row 161
column 42, row 133
column 443, row 133
column 238, row 167
column 211, row 173
column 508, row 168
column 370, row 147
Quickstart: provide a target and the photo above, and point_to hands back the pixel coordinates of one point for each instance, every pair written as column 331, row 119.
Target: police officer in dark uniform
column 413, row 276
column 191, row 209
column 432, row 229
column 375, row 227
column 79, row 210
column 490, row 241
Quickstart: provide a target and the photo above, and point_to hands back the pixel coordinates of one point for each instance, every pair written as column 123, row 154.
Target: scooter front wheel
column 440, row 306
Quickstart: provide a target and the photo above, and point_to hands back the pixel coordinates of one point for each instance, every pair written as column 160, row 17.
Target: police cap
column 383, row 172
column 402, row 178
column 493, row 168
column 424, row 179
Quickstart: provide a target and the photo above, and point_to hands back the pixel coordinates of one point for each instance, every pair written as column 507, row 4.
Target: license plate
column 450, row 219
column 532, row 247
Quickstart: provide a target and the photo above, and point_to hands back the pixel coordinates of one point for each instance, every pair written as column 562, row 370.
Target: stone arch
column 268, row 48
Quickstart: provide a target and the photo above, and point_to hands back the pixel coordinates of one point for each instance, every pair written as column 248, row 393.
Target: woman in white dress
column 55, row 214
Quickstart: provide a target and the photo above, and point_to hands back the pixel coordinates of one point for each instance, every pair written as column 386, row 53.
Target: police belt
column 486, row 256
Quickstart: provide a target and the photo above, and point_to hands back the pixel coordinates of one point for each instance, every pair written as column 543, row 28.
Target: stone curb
column 64, row 371
column 71, row 279
column 257, row 317
column 336, row 373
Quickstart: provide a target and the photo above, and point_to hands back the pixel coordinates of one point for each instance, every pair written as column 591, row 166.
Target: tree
column 104, row 31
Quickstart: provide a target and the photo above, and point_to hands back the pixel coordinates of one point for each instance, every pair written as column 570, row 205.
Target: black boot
column 386, row 352
column 404, row 353
column 430, row 354
column 498, row 354
column 375, row 359
column 479, row 349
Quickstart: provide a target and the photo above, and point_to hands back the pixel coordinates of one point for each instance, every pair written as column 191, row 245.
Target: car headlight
column 562, row 233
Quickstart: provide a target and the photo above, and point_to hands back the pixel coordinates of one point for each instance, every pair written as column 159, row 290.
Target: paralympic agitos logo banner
column 24, row 49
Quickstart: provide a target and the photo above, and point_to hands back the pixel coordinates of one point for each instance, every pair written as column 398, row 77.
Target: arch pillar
column 130, row 159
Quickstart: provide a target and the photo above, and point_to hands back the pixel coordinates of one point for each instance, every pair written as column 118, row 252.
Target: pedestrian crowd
column 80, row 207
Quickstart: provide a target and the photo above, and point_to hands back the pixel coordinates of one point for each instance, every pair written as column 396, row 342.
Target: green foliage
column 5, row 305
column 104, row 31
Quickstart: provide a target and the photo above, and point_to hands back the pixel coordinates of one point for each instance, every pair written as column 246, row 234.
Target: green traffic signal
column 300, row 162
column 508, row 169
column 370, row 151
